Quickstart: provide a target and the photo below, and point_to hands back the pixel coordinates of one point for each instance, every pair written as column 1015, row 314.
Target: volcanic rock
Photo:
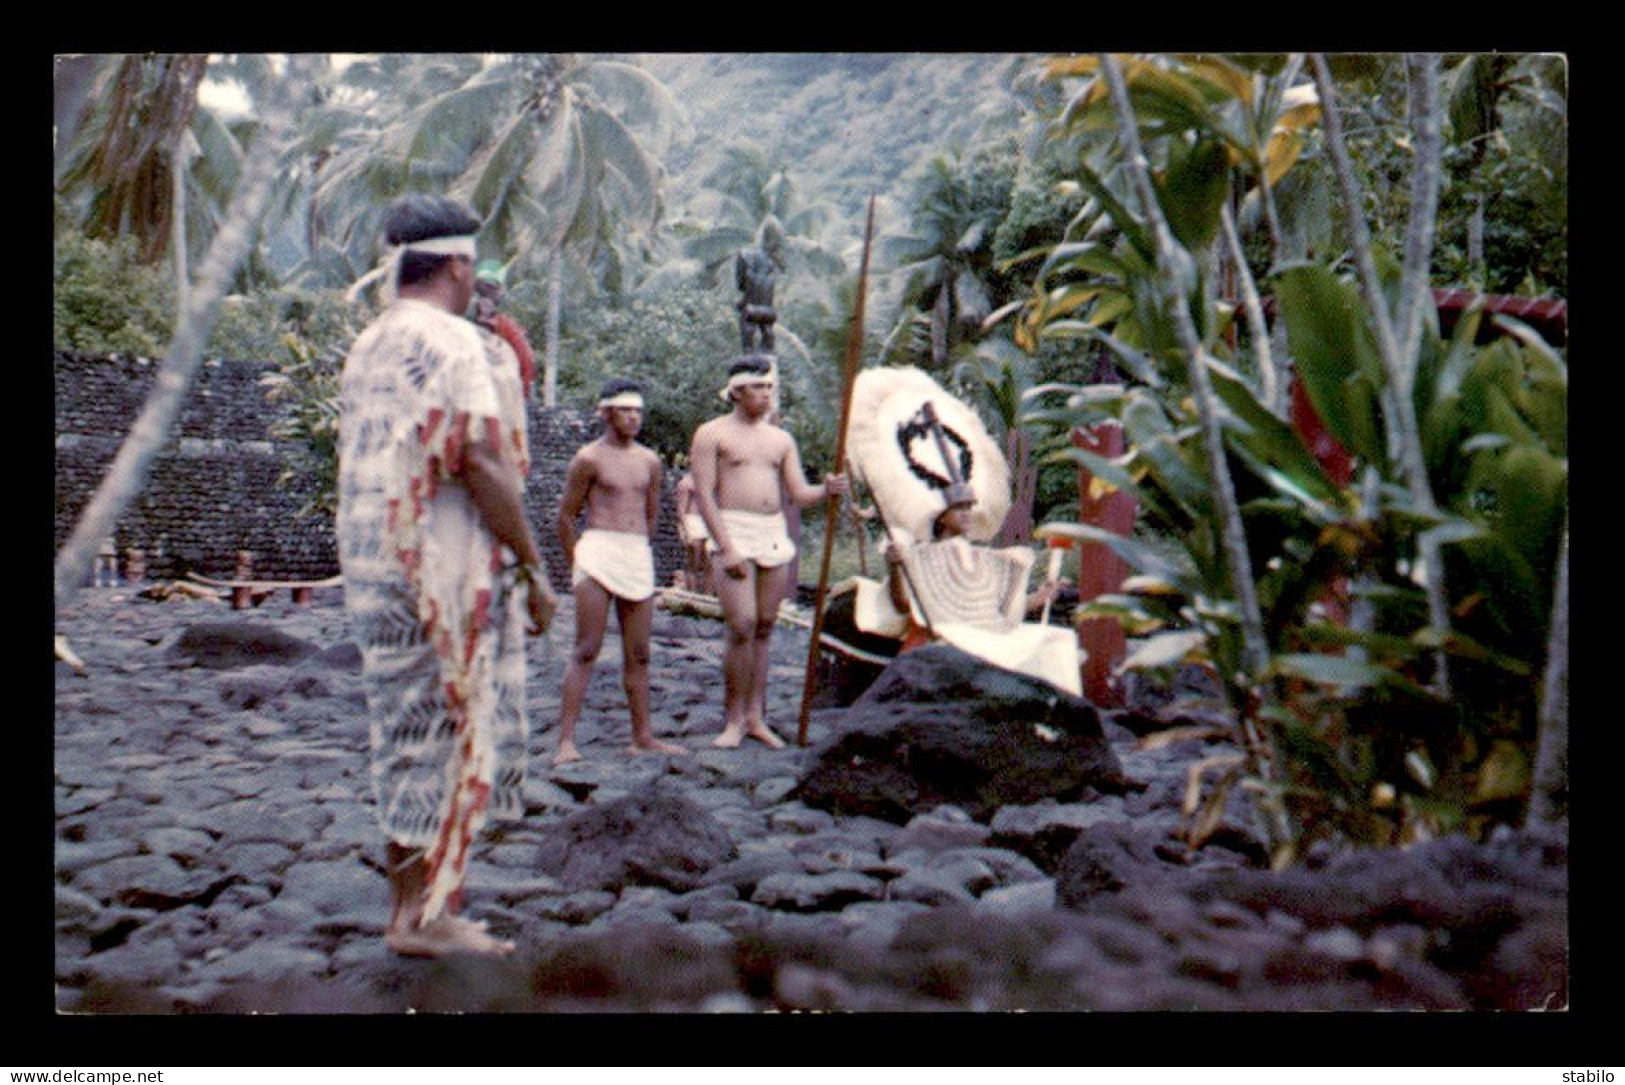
column 941, row 726
column 653, row 837
column 225, row 645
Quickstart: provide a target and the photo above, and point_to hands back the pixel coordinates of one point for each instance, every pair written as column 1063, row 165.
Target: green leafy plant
column 258, row 326
column 1340, row 728
column 1493, row 420
column 105, row 300
column 305, row 390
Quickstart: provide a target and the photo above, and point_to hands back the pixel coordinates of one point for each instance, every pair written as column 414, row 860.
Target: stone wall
column 213, row 488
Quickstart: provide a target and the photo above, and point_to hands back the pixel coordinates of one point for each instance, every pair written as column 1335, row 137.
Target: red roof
column 1548, row 315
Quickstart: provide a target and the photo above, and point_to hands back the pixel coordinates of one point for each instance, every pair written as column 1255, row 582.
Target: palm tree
column 131, row 145
column 945, row 261
column 139, row 156
column 151, row 427
column 141, row 153
column 545, row 147
column 359, row 151
column 751, row 200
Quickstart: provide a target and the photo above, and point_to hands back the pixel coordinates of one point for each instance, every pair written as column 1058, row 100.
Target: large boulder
column 651, row 837
column 941, row 726
column 225, row 645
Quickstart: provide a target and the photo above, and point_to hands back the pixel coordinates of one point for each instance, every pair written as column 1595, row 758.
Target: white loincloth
column 694, row 530
column 620, row 562
column 762, row 537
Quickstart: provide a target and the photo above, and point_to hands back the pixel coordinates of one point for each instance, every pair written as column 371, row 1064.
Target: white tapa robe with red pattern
column 429, row 591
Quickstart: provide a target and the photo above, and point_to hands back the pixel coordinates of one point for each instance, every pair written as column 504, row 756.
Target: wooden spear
column 849, row 376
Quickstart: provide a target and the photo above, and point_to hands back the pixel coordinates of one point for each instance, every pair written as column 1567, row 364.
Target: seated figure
column 974, row 597
column 941, row 489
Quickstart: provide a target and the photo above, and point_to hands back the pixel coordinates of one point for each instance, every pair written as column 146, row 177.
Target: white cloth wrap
column 620, row 562
column 763, row 537
column 1046, row 652
column 624, row 399
column 874, row 612
column 694, row 528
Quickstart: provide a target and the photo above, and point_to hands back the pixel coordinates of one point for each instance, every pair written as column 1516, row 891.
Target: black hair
column 420, row 217
column 752, row 363
column 616, row 385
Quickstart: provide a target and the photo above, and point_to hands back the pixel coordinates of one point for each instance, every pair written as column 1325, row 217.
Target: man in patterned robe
column 440, row 570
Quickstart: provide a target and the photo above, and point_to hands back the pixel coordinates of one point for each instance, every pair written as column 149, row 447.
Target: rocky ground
column 216, row 851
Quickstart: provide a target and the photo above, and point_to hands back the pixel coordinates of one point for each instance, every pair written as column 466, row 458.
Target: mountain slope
column 847, row 125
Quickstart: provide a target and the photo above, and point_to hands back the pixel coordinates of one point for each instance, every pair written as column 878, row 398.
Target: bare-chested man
column 617, row 481
column 744, row 468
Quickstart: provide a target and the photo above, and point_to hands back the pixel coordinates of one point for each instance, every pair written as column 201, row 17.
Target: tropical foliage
column 750, row 199
column 105, row 300
column 945, row 258
column 1086, row 241
column 1342, row 728
column 305, row 390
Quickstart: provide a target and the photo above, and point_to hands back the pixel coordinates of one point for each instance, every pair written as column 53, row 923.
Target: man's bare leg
column 408, row 936
column 738, row 598
column 636, row 620
column 592, row 614
column 771, row 585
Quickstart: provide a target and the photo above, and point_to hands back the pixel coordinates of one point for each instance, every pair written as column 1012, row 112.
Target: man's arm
column 652, row 495
column 894, row 577
column 795, row 481
column 494, row 485
column 577, row 481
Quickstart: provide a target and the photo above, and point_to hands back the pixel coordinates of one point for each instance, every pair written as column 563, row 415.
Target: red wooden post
column 1100, row 571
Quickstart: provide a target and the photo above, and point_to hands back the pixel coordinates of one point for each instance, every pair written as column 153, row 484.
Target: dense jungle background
column 1178, row 245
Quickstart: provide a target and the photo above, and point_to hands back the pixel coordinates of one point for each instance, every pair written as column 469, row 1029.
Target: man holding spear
column 744, row 469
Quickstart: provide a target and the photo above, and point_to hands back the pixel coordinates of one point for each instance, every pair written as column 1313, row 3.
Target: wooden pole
column 849, row 376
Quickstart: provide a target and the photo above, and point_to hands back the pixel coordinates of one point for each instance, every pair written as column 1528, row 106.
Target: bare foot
column 567, row 753
column 448, row 934
column 654, row 745
column 732, row 735
column 760, row 732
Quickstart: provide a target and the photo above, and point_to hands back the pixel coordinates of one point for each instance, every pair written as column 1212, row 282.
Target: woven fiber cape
column 900, row 462
column 957, row 581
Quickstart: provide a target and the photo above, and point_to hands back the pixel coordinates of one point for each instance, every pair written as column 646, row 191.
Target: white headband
column 456, row 245
column 739, row 380
column 622, row 399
